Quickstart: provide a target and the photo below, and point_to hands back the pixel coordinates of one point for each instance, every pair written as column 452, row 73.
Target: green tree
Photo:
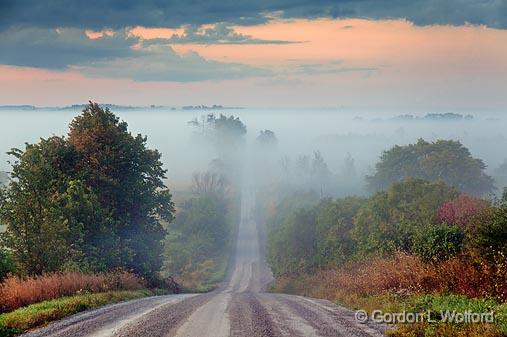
column 200, row 231
column 94, row 201
column 444, row 160
column 228, row 128
column 38, row 233
column 127, row 178
column 388, row 220
column 290, row 204
column 334, row 222
column 226, row 133
column 491, row 235
column 292, row 245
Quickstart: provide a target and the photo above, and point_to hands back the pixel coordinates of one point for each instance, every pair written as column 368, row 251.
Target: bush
column 491, row 235
column 438, row 242
column 463, row 211
column 388, row 220
column 292, row 245
column 199, row 232
column 334, row 220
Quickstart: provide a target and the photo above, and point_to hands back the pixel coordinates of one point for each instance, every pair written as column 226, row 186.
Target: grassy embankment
column 40, row 314
column 401, row 285
column 417, row 248
column 27, row 303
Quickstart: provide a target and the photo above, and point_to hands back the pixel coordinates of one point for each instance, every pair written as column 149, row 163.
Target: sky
column 390, row 54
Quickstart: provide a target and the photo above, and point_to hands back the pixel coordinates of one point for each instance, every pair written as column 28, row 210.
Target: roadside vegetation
column 84, row 219
column 39, row 314
column 88, row 220
column 428, row 239
column 200, row 240
column 92, row 201
column 16, row 292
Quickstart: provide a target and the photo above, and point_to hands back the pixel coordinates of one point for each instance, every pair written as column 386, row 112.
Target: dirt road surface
column 240, row 308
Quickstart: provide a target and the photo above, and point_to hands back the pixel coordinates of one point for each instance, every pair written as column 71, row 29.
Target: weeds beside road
column 16, row 292
column 39, row 314
column 403, row 283
column 31, row 302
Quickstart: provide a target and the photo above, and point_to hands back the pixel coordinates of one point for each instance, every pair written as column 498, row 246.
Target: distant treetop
column 444, row 160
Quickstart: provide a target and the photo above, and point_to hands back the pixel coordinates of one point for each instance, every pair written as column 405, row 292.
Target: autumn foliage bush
column 405, row 274
column 462, row 211
column 16, row 291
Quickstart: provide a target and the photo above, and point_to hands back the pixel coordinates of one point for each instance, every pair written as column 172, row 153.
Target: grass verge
column 39, row 314
column 316, row 285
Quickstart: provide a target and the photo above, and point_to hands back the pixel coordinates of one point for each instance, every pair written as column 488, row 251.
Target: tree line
column 426, row 202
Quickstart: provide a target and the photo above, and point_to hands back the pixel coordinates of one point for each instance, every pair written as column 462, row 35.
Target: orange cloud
column 431, row 66
column 365, row 42
column 153, row 33
column 97, row 35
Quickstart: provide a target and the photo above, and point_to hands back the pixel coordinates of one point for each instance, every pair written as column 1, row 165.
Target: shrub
column 200, row 231
column 491, row 235
column 388, row 220
column 438, row 242
column 333, row 224
column 462, row 211
column 291, row 245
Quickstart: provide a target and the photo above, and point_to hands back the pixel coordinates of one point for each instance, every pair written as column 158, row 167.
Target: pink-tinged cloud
column 366, row 42
column 389, row 63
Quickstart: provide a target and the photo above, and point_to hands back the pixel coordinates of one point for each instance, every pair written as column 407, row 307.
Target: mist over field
column 214, row 168
column 338, row 134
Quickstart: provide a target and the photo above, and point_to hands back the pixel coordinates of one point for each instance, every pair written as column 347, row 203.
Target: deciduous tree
column 444, row 160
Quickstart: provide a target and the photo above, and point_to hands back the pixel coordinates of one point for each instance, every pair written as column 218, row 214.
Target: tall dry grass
column 16, row 292
column 404, row 274
column 465, row 274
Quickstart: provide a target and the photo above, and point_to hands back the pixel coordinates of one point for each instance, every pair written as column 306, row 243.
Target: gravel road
column 240, row 308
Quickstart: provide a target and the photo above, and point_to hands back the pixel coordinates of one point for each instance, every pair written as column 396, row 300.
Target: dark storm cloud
column 58, row 48
column 117, row 55
column 51, row 34
column 97, row 14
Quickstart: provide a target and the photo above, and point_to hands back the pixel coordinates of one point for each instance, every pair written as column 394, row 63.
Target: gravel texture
column 240, row 308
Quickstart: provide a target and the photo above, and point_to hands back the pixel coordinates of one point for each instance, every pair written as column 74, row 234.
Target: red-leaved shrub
column 461, row 211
